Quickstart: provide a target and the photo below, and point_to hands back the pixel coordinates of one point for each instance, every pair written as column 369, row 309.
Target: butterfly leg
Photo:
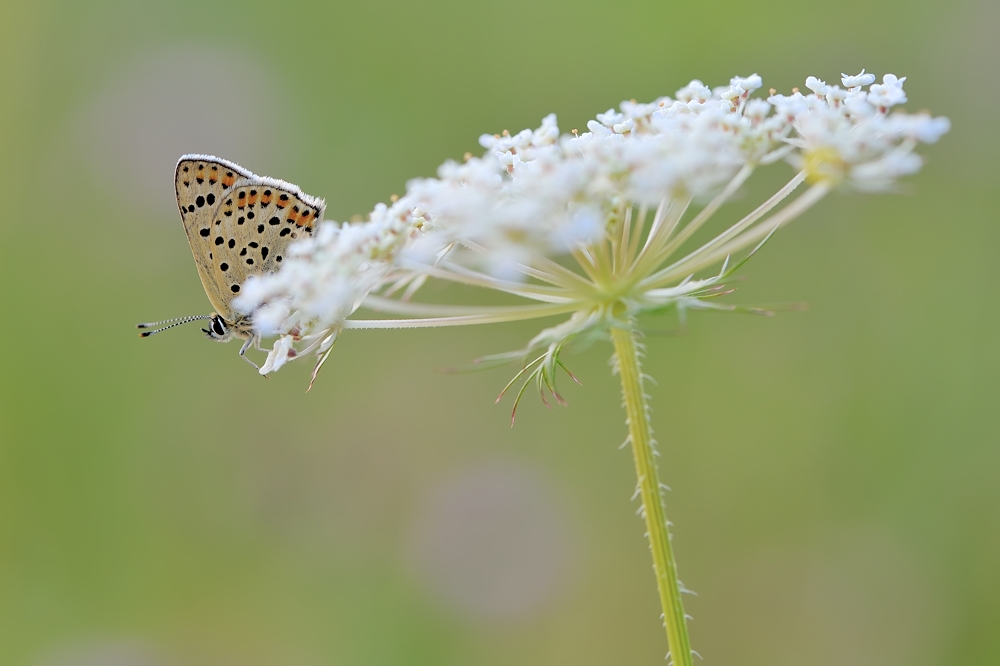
column 246, row 345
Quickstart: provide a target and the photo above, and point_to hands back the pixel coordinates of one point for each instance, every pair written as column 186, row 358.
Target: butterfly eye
column 218, row 327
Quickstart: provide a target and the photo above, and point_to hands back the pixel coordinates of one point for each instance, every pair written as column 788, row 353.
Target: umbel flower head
column 594, row 226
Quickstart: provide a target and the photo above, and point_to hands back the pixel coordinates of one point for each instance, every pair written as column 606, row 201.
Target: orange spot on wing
column 228, row 180
column 213, row 177
column 294, row 217
column 265, row 199
column 253, row 197
column 304, row 219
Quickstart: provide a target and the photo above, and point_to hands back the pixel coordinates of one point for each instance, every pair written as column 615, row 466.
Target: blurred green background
column 834, row 471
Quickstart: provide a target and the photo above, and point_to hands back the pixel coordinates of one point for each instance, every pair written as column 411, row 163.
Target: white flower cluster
column 848, row 135
column 500, row 220
column 336, row 268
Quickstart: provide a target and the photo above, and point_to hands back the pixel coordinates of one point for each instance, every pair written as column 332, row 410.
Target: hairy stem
column 641, row 437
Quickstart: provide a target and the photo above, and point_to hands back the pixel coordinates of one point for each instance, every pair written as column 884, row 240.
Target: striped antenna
column 172, row 322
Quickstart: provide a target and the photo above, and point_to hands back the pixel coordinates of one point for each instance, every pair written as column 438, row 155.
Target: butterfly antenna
column 172, row 322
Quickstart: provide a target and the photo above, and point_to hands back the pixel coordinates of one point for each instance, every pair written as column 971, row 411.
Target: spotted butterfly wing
column 238, row 224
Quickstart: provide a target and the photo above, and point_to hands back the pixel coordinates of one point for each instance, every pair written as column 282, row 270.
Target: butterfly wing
column 200, row 181
column 255, row 223
column 248, row 229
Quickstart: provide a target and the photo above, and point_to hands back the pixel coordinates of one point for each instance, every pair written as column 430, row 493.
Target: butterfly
column 238, row 225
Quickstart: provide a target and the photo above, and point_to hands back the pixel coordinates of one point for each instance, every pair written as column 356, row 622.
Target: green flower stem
column 640, row 435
